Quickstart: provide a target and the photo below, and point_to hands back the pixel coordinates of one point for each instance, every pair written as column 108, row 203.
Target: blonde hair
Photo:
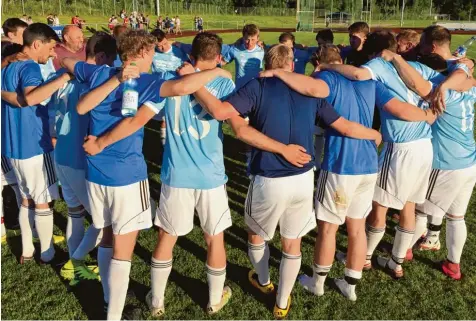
column 278, row 56
column 326, row 54
column 409, row 35
column 132, row 42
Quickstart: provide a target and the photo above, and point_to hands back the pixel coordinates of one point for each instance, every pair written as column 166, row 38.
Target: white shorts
column 449, row 192
column 404, row 170
column 73, row 185
column 341, row 196
column 36, row 178
column 8, row 174
column 178, row 205
column 286, row 201
column 126, row 208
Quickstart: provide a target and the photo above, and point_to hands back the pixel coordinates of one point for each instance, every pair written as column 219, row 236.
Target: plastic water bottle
column 461, row 51
column 130, row 98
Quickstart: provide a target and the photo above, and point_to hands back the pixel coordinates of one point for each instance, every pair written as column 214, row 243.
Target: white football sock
column 104, row 264
column 401, row 243
column 216, row 282
column 348, row 284
column 374, row 236
column 4, row 231
column 74, row 230
column 160, row 271
column 435, row 220
column 163, row 135
column 456, row 234
column 420, row 227
column 319, row 142
column 18, row 196
column 319, row 275
column 44, row 227
column 90, row 240
column 26, row 234
column 118, row 284
column 288, row 272
column 259, row 257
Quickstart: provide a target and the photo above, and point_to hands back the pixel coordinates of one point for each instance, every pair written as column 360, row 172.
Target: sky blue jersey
column 248, row 63
column 193, row 156
column 168, row 61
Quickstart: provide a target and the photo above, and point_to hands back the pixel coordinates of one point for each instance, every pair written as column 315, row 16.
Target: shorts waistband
column 410, row 145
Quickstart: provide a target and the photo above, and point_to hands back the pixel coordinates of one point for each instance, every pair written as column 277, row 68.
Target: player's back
column 393, row 129
column 355, row 101
column 71, row 128
column 28, row 122
column 193, row 155
column 453, row 132
column 286, row 116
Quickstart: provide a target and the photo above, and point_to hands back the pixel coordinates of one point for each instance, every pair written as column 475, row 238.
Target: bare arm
column 355, row 130
column 35, row 95
column 13, row 99
column 215, row 107
column 411, row 77
column 348, row 71
column 190, row 83
column 125, row 128
column 69, row 64
column 304, row 85
column 294, row 154
column 409, row 112
column 458, row 80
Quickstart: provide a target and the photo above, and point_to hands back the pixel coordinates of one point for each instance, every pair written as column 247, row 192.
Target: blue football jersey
column 121, row 163
column 393, row 129
column 25, row 131
column 301, row 58
column 193, row 155
column 355, row 101
column 248, row 63
column 168, row 61
column 453, row 132
column 71, row 128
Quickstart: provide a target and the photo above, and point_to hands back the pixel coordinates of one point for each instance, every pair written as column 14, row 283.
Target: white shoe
column 309, row 285
column 430, row 244
column 346, row 289
column 154, row 311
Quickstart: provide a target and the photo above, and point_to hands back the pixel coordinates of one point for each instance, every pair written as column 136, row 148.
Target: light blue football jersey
column 193, row 155
column 248, row 63
column 71, row 128
column 168, row 61
column 453, row 132
column 393, row 129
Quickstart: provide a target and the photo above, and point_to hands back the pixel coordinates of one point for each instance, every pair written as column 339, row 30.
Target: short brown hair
column 159, row 34
column 326, row 54
column 118, row 30
column 409, row 35
column 250, row 30
column 206, row 46
column 359, row 27
column 378, row 41
column 436, row 35
column 132, row 42
column 278, row 56
column 285, row 36
column 325, row 34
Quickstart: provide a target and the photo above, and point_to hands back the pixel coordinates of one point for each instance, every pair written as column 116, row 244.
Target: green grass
column 37, row 292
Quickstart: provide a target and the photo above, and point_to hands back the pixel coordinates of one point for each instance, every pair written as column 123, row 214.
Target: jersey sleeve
column 427, row 73
column 376, row 67
column 326, row 114
column 83, row 71
column 382, row 95
column 150, row 96
column 330, row 78
column 186, row 48
column 453, row 66
column 30, row 76
column 245, row 100
column 227, row 53
column 226, row 89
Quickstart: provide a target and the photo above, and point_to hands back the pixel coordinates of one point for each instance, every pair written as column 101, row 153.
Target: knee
column 291, row 246
column 327, row 229
column 214, row 240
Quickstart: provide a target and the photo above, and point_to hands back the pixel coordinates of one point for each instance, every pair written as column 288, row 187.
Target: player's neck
column 444, row 52
column 204, row 65
column 91, row 61
column 30, row 53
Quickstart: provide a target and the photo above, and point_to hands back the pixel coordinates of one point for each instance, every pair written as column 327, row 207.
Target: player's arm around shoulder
column 302, row 84
column 348, row 71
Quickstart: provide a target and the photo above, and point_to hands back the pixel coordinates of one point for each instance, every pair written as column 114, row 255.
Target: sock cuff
column 216, row 271
column 353, row 273
column 105, row 248
column 124, row 263
column 434, row 228
column 322, row 269
column 158, row 264
column 453, row 220
column 77, row 214
column 290, row 256
column 375, row 230
column 44, row 212
column 403, row 230
column 256, row 247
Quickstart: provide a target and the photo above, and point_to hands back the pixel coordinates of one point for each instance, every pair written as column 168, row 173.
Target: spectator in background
column 146, row 21
column 160, row 22
column 112, row 22
column 200, row 24
column 77, row 21
column 126, row 21
column 123, row 14
column 24, row 18
column 29, row 21
column 133, row 20
column 178, row 28
column 50, row 20
column 195, row 23
column 72, row 45
column 56, row 21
